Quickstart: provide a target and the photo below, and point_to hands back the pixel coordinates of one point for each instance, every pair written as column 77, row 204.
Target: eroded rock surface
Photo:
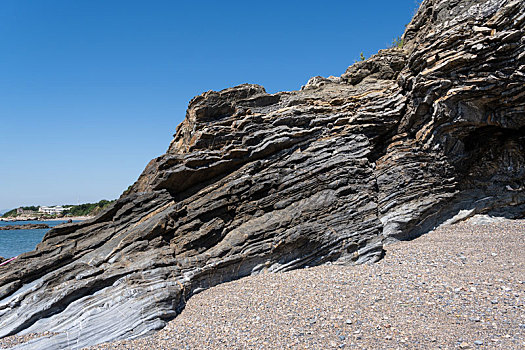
column 256, row 182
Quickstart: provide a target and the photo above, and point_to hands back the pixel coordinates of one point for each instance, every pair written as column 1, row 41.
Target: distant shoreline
column 73, row 218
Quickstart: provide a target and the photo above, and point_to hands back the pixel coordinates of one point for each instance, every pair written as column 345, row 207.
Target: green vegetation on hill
column 88, row 209
column 12, row 212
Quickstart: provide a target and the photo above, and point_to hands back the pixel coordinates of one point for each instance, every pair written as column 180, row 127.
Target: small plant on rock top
column 397, row 43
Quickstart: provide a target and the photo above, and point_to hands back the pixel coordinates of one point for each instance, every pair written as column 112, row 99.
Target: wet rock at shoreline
column 24, row 227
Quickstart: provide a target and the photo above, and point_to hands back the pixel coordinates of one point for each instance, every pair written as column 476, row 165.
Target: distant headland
column 41, row 213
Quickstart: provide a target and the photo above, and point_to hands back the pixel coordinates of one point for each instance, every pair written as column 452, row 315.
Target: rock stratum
column 256, row 182
column 24, row 227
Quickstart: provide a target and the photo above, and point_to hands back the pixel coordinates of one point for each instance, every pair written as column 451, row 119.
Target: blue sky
column 90, row 91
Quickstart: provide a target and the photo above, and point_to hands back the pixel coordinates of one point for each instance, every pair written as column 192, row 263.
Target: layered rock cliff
column 257, row 183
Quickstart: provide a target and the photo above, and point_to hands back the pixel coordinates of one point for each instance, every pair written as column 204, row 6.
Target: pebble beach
column 458, row 287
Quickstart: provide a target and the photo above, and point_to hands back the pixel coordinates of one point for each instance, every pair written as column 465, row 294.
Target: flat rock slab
column 24, row 227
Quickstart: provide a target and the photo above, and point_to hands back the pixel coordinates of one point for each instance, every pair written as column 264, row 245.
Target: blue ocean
column 16, row 242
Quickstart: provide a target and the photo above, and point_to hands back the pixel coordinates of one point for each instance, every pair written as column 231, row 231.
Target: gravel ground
column 6, row 343
column 459, row 287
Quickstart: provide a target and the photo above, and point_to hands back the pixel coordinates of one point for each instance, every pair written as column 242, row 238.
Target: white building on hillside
column 22, row 211
column 57, row 210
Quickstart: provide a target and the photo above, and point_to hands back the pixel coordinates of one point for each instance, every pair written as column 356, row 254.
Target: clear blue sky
column 90, row 91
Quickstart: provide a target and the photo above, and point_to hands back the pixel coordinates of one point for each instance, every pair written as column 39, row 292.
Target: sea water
column 16, row 242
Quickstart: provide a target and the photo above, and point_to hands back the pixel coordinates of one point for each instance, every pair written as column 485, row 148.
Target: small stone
column 478, row 342
column 481, row 29
column 349, row 321
column 494, row 301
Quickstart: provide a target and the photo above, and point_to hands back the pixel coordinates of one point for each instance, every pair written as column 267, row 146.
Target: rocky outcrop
column 256, row 182
column 24, row 227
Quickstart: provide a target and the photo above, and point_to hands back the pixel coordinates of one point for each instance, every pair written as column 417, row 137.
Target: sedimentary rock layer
column 256, row 182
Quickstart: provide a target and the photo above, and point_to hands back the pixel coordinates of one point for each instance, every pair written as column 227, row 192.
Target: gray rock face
column 256, row 182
